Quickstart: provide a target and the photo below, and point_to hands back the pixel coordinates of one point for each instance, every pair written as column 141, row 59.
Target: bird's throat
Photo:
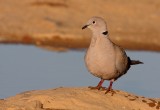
column 93, row 41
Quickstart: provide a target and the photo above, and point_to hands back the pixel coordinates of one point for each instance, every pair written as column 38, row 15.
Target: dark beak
column 85, row 26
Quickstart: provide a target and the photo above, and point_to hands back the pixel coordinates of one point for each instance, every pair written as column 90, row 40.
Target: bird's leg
column 109, row 89
column 99, row 86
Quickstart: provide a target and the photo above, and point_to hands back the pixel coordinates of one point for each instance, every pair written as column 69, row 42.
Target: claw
column 110, row 88
column 97, row 87
column 112, row 92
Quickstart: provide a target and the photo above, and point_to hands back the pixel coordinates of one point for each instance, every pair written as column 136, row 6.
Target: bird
column 104, row 59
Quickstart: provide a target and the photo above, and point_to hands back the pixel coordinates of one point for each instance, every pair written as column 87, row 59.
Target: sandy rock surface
column 57, row 23
column 78, row 99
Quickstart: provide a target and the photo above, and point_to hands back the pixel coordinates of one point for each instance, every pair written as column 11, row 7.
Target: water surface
column 24, row 68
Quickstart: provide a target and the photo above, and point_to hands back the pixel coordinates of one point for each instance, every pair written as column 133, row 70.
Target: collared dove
column 105, row 59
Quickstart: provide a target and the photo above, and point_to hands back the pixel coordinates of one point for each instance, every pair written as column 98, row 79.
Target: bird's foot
column 111, row 91
column 97, row 87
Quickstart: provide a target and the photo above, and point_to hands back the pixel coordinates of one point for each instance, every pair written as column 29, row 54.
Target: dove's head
column 96, row 24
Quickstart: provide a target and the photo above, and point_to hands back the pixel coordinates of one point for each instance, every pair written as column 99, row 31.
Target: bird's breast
column 100, row 60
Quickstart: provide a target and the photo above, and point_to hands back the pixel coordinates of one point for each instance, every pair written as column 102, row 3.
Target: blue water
column 24, row 68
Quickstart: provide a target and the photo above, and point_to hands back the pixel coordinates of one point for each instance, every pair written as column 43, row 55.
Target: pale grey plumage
column 103, row 58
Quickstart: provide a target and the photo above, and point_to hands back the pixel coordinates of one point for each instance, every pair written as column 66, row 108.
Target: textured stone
column 78, row 99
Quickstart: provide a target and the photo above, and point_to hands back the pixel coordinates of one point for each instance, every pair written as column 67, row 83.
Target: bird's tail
column 134, row 62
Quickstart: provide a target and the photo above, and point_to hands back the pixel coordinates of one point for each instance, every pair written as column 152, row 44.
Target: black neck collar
column 105, row 32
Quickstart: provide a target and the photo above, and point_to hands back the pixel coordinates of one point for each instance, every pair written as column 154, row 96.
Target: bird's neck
column 101, row 36
column 99, row 32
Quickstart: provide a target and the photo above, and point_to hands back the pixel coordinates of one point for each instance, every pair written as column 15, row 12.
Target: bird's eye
column 93, row 22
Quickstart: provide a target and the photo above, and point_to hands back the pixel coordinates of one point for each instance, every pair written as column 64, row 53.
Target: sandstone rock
column 57, row 23
column 78, row 99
